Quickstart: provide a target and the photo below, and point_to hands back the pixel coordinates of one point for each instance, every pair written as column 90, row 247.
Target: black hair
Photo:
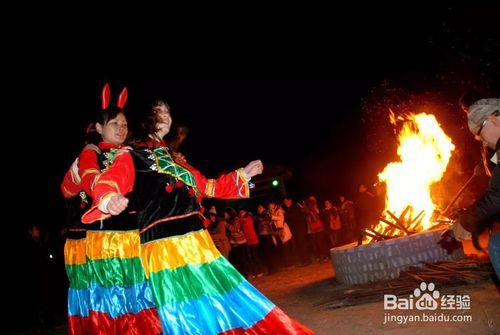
column 148, row 123
column 231, row 212
column 102, row 117
column 469, row 97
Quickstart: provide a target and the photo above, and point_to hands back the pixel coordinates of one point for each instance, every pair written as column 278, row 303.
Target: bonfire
column 424, row 152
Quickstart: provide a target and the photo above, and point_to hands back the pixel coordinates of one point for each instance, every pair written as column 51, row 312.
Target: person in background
column 331, row 221
column 238, row 255
column 316, row 230
column 365, row 208
column 347, row 218
column 296, row 220
column 217, row 230
column 483, row 119
column 253, row 254
column 267, row 238
column 39, row 267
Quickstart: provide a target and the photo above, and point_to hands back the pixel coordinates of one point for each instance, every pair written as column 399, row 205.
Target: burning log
column 417, row 217
column 394, row 217
column 395, row 226
column 400, row 224
column 375, row 235
column 416, row 221
column 403, row 213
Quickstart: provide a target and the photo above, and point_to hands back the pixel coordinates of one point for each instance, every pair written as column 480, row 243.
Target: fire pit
column 386, row 259
column 409, row 229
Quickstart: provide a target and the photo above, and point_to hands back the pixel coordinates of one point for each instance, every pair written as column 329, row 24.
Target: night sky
column 317, row 129
column 330, row 133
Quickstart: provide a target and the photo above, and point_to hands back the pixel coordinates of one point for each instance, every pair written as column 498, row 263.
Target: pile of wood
column 404, row 225
column 446, row 273
column 443, row 274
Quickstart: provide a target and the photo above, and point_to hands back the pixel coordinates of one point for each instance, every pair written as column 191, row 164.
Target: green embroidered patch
column 110, row 157
column 165, row 164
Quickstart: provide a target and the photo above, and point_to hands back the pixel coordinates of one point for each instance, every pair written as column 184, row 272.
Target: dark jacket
column 296, row 219
column 486, row 210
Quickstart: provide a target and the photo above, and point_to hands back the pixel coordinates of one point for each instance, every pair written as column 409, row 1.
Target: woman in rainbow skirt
column 108, row 293
column 196, row 290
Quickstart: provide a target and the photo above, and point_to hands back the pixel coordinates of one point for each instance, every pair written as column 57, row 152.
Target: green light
column 275, row 182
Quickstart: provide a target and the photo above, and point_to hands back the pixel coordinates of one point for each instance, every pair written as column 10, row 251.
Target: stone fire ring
column 386, row 259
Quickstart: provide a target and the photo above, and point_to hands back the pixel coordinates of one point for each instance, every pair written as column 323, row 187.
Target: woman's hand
column 124, row 149
column 117, row 204
column 253, row 168
column 460, row 233
column 91, row 146
column 180, row 157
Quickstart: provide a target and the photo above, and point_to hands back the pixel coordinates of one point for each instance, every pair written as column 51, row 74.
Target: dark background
column 331, row 134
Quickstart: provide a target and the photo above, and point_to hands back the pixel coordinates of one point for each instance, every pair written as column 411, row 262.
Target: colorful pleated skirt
column 197, row 291
column 108, row 292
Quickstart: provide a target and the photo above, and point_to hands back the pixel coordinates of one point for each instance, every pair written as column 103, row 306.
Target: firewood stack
column 443, row 274
column 404, row 225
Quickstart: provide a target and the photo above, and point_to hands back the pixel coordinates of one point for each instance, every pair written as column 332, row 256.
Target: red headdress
column 105, row 101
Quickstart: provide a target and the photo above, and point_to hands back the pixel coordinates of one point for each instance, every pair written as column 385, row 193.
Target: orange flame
column 424, row 151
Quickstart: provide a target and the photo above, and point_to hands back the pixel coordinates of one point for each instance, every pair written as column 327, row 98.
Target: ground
column 298, row 289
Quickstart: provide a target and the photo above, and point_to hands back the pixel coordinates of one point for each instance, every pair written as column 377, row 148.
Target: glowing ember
column 424, row 151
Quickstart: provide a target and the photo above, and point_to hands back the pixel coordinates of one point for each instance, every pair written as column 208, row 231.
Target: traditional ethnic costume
column 108, row 290
column 196, row 290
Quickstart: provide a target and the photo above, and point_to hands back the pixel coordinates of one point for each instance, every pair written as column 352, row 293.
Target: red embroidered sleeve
column 231, row 185
column 88, row 169
column 70, row 185
column 118, row 179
